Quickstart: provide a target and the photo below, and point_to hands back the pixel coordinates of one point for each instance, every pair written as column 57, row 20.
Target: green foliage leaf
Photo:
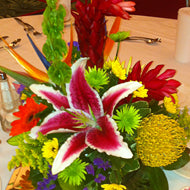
column 29, row 153
column 115, row 177
column 23, row 79
column 76, row 54
column 184, row 159
column 60, row 136
column 146, row 178
column 35, row 176
column 67, row 186
column 131, row 165
column 117, row 162
column 14, row 141
column 143, row 108
column 119, row 36
column 113, row 80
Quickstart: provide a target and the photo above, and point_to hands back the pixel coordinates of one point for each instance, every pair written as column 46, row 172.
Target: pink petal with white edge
column 60, row 121
column 68, row 152
column 80, row 94
column 52, row 96
column 117, row 93
column 108, row 139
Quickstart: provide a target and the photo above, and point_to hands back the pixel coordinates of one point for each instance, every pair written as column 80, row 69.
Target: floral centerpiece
column 90, row 122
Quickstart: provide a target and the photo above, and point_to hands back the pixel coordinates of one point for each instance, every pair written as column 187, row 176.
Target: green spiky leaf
column 21, row 78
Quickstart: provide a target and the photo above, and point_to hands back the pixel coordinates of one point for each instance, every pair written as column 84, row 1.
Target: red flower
column 158, row 86
column 116, row 8
column 27, row 114
column 90, row 25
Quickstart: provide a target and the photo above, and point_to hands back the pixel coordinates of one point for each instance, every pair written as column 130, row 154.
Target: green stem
column 117, row 52
column 130, row 102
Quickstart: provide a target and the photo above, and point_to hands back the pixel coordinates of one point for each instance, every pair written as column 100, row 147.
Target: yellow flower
column 140, row 92
column 117, row 68
column 113, row 187
column 160, row 140
column 108, row 64
column 169, row 105
column 23, row 96
column 50, row 148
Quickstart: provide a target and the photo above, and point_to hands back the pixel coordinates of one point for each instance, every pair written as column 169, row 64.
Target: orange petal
column 109, row 43
column 69, row 55
column 31, row 70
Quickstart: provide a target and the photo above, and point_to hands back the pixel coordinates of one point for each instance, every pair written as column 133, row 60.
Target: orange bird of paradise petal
column 31, row 70
column 109, row 43
column 69, row 55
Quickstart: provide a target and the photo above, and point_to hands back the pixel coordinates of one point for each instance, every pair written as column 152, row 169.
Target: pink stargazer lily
column 85, row 114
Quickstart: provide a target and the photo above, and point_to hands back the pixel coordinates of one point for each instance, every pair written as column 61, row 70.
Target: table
column 161, row 53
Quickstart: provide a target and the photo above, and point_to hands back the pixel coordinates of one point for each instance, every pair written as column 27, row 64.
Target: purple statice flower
column 100, row 178
column 20, row 89
column 85, row 188
column 75, row 44
column 101, row 164
column 47, row 183
column 90, row 169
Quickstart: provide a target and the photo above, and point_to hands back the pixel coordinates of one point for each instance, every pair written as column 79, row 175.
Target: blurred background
column 14, row 8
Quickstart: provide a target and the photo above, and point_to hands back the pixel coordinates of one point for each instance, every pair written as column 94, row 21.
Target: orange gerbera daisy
column 27, row 114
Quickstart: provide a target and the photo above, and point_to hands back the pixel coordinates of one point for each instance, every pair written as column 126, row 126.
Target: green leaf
column 67, row 186
column 115, row 177
column 184, row 159
column 130, row 166
column 143, row 108
column 119, row 36
column 117, row 162
column 14, row 141
column 113, row 80
column 23, row 79
column 35, row 176
column 146, row 178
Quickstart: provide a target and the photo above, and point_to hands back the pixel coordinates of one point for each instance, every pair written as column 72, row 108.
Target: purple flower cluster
column 47, row 183
column 100, row 165
column 100, row 178
column 75, row 44
column 20, row 89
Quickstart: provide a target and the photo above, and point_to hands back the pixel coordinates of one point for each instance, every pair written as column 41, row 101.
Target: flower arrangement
column 92, row 123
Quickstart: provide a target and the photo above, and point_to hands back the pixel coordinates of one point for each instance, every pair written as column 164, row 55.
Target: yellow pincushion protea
column 160, row 140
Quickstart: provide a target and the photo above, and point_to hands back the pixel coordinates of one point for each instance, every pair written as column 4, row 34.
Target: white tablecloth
column 162, row 53
column 6, row 153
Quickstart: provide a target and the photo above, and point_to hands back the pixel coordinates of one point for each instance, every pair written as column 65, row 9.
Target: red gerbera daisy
column 158, row 86
column 27, row 114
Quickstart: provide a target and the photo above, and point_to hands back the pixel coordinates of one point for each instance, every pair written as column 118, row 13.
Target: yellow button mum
column 117, row 68
column 140, row 92
column 113, row 187
column 50, row 148
column 160, row 140
column 169, row 105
